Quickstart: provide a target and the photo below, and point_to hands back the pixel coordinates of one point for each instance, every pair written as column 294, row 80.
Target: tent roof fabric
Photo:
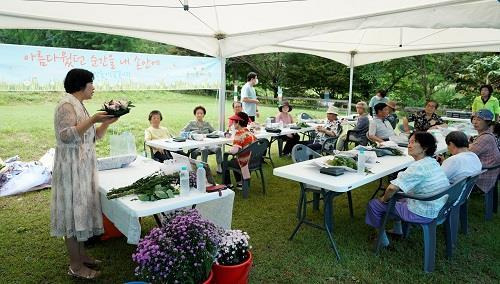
column 373, row 30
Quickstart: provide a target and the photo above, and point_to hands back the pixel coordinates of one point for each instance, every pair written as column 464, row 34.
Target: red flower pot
column 233, row 274
column 210, row 279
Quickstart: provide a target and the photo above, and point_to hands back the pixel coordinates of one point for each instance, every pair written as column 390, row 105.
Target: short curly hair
column 77, row 79
column 199, row 107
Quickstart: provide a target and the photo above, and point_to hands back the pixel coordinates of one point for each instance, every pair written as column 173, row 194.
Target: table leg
column 328, row 218
column 157, row 219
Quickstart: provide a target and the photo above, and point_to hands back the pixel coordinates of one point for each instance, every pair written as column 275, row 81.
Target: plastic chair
column 490, row 203
column 351, row 137
column 305, row 116
column 459, row 212
column 454, row 192
column 258, row 150
column 491, row 197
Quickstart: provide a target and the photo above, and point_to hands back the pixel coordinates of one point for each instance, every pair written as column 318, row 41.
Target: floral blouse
column 422, row 123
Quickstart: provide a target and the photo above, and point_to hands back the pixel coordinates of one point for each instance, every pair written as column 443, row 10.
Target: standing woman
column 76, row 208
column 485, row 100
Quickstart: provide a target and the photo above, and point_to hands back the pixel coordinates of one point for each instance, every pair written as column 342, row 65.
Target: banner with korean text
column 34, row 68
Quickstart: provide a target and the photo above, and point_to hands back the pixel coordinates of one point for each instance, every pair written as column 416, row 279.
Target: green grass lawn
column 29, row 255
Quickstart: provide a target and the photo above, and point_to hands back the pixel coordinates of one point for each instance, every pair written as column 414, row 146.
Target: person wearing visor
column 485, row 147
column 242, row 138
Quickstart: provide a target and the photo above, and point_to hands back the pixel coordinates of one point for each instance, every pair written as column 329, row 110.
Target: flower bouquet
column 182, row 251
column 234, row 258
column 117, row 107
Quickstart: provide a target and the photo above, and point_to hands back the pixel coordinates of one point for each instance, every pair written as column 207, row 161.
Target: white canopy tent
column 353, row 32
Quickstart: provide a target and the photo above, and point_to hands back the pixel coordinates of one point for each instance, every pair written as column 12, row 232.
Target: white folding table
column 125, row 211
column 307, row 172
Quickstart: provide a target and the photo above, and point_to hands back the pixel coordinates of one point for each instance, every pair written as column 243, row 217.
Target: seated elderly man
column 380, row 128
column 463, row 163
column 425, row 119
column 422, row 177
column 329, row 129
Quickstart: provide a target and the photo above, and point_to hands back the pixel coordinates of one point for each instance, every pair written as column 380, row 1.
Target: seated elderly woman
column 242, row 138
column 425, row 119
column 462, row 163
column 485, row 147
column 155, row 131
column 329, row 129
column 202, row 127
column 284, row 116
column 424, row 176
column 359, row 132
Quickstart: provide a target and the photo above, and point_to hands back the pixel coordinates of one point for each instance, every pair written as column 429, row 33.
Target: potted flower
column 181, row 251
column 234, row 258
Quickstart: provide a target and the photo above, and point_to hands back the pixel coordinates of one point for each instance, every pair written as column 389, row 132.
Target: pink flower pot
column 233, row 274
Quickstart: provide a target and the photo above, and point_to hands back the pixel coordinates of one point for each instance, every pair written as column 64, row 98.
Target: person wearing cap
column 486, row 101
column 392, row 117
column 485, row 147
column 361, row 128
column 380, row 128
column 249, row 96
column 329, row 129
column 425, row 119
column 284, row 116
column 242, row 138
column 380, row 97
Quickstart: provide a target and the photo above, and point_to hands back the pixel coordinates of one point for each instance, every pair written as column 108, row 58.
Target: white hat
column 333, row 110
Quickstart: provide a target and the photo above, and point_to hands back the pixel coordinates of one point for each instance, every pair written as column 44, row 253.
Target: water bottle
column 184, row 181
column 361, row 161
column 268, row 122
column 200, row 179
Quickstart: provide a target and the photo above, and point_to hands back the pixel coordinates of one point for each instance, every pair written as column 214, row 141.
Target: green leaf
column 158, row 187
column 143, row 197
column 169, row 193
column 161, row 194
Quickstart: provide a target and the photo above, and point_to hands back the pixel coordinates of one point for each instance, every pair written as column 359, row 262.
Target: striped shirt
column 425, row 176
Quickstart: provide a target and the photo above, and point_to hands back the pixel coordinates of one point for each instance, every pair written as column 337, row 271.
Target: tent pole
column 351, row 76
column 222, row 94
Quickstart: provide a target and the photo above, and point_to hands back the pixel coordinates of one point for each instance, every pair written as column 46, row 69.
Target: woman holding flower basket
column 75, row 207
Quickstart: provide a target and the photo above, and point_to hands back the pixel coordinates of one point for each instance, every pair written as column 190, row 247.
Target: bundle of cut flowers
column 150, row 188
column 233, row 247
column 182, row 251
column 117, row 107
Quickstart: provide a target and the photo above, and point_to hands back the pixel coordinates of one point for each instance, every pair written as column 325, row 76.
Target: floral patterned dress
column 75, row 207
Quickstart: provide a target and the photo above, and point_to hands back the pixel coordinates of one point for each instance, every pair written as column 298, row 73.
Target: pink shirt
column 285, row 117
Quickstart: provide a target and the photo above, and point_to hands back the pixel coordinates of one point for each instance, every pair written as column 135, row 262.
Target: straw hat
column 391, row 104
column 333, row 110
